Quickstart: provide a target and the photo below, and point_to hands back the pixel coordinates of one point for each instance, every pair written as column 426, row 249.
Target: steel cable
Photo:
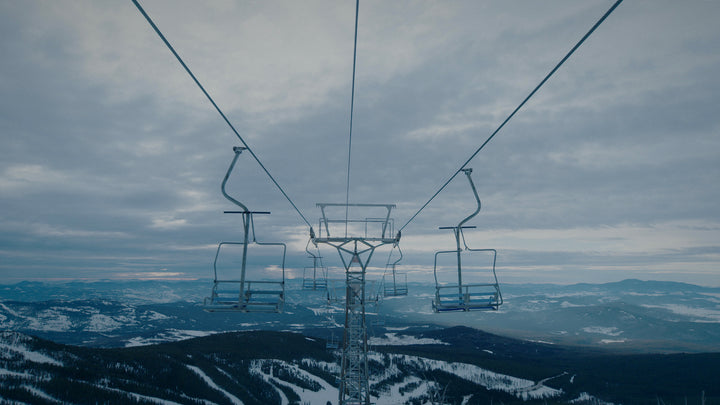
column 352, row 109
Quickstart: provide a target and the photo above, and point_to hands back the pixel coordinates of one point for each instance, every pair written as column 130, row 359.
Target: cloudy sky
column 111, row 158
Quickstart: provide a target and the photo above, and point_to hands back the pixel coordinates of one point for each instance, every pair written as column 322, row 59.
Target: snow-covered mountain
column 631, row 315
column 447, row 366
column 209, row 371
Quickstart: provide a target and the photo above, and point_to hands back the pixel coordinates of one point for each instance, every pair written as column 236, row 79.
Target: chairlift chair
column 372, row 292
column 244, row 294
column 462, row 296
column 335, row 291
column 332, row 343
column 396, row 284
column 315, row 277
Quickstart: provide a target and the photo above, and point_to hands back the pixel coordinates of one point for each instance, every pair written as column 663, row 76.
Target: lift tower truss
column 355, row 239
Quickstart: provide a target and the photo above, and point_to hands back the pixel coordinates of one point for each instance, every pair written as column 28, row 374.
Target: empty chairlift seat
column 466, row 283
column 249, row 275
column 247, row 294
column 315, row 277
column 394, row 283
column 468, row 296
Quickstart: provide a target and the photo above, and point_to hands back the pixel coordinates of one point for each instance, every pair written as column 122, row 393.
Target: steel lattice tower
column 355, row 252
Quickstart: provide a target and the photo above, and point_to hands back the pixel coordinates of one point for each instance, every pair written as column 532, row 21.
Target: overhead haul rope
column 532, row 93
column 187, row 69
column 352, row 107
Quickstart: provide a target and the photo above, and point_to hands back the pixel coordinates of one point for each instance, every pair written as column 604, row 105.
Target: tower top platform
column 340, row 222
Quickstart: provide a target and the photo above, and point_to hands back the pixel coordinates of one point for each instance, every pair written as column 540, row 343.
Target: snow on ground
column 155, row 316
column 102, row 323
column 171, row 335
column 545, row 342
column 566, row 304
column 637, row 294
column 705, row 315
column 573, row 294
column 585, row 398
column 324, row 310
column 8, row 373
column 9, row 311
column 519, row 387
column 139, row 397
column 394, row 397
column 41, row 394
column 610, row 341
column 333, row 367
column 211, row 383
column 714, row 297
column 5, row 324
column 31, row 356
column 157, row 297
column 326, row 393
column 392, row 339
column 12, row 345
column 256, row 368
column 50, row 320
column 603, row 330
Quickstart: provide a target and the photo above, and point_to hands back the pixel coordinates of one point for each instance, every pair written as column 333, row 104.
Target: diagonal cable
column 532, row 93
column 187, row 69
column 352, row 108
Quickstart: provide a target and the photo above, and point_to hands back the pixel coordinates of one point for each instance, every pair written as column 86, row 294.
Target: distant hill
column 456, row 365
column 631, row 316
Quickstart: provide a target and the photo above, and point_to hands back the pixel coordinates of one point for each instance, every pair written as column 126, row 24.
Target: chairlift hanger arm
column 468, row 173
column 389, row 263
column 458, row 230
column 460, row 226
column 313, row 255
column 399, row 258
column 238, row 150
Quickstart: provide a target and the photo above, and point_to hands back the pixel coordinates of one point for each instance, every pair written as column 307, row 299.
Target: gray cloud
column 111, row 159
